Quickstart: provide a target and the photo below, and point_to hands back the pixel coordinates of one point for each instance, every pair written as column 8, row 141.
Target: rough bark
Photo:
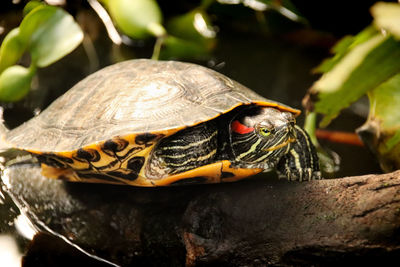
column 257, row 222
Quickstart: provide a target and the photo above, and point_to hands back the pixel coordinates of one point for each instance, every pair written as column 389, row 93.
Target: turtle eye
column 265, row 131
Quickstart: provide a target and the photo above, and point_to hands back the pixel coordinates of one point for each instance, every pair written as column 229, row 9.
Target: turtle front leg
column 301, row 162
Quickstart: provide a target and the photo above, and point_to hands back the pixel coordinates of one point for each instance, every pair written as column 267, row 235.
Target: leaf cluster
column 47, row 33
column 366, row 64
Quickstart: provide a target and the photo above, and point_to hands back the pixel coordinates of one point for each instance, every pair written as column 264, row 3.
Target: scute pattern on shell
column 135, row 96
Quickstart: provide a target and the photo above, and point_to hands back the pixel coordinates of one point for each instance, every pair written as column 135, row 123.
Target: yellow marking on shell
column 106, row 159
column 212, row 172
column 143, row 153
column 239, row 173
column 57, row 173
column 71, row 176
column 78, row 165
column 37, row 152
column 294, row 111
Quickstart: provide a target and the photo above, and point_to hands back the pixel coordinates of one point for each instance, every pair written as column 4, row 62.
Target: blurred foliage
column 137, row 19
column 47, row 33
column 11, row 49
column 366, row 64
column 284, row 7
column 387, row 17
column 186, row 36
column 382, row 130
column 15, row 83
column 190, row 34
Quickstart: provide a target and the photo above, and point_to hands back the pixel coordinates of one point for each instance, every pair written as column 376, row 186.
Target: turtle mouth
column 287, row 142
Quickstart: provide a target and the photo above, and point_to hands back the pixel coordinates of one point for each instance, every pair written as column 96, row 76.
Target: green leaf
column 54, row 39
column 385, row 104
column 310, row 127
column 15, row 83
column 11, row 49
column 193, row 26
column 362, row 69
column 343, row 47
column 340, row 50
column 52, row 34
column 137, row 18
column 387, row 16
column 49, row 33
column 381, row 132
column 31, row 6
column 34, row 19
column 174, row 47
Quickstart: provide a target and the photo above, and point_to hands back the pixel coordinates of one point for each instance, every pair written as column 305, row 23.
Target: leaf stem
column 310, row 127
column 157, row 48
column 32, row 69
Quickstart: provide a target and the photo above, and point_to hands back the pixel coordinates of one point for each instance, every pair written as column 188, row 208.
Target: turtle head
column 260, row 136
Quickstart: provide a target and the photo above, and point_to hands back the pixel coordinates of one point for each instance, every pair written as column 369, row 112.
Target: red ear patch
column 239, row 128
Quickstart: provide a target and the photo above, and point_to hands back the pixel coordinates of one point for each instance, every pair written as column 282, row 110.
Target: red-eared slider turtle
column 157, row 123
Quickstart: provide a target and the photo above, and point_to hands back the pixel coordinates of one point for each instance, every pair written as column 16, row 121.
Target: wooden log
column 354, row 219
column 257, row 222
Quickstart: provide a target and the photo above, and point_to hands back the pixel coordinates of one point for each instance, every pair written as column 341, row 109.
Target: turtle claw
column 307, row 174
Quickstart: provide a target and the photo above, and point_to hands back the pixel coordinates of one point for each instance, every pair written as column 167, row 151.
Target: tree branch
column 254, row 222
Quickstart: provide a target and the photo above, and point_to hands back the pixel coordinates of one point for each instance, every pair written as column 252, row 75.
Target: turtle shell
column 132, row 98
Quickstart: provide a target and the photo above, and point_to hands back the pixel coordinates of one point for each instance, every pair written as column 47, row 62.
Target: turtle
column 144, row 122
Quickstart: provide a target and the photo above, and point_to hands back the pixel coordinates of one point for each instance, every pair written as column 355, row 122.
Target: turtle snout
column 288, row 130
